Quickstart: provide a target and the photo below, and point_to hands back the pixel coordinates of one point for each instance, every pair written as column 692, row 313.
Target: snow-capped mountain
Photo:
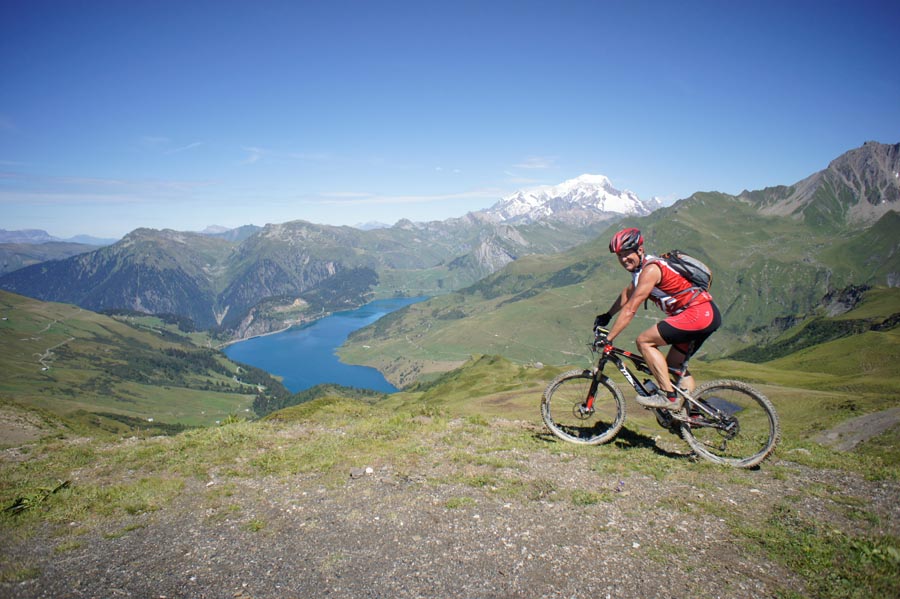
column 585, row 199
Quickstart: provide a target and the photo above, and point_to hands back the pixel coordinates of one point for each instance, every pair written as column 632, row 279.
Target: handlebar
column 600, row 339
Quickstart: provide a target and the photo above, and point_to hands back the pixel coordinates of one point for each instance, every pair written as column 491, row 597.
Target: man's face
column 631, row 260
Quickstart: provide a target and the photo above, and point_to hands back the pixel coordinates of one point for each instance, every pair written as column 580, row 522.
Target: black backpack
column 690, row 268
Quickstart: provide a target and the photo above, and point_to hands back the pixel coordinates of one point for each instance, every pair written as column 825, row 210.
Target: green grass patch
column 833, row 563
column 18, row 573
column 456, row 503
column 255, row 525
column 581, row 497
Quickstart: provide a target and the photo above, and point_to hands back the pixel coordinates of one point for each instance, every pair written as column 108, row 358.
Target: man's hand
column 602, row 319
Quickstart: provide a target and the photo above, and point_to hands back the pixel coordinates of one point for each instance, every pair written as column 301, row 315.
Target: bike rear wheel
column 744, row 431
column 564, row 408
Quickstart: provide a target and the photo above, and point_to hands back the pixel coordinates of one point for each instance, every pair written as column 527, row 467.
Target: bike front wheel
column 564, row 408
column 743, row 429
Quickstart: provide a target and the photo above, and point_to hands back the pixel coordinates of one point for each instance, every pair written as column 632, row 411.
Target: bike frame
column 616, row 355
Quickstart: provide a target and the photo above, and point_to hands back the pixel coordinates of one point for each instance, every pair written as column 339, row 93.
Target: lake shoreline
column 305, row 354
column 222, row 346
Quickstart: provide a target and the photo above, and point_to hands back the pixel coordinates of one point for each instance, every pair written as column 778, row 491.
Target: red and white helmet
column 626, row 240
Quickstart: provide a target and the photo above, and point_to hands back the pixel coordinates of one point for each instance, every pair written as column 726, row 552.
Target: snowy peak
column 584, row 199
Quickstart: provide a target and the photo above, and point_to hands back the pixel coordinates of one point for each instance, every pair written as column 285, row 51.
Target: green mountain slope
column 101, row 372
column 856, row 351
column 541, row 308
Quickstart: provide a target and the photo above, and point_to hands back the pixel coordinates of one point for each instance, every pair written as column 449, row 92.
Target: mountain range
column 778, row 256
column 240, row 281
column 14, row 256
column 37, row 236
column 776, row 252
column 22, row 248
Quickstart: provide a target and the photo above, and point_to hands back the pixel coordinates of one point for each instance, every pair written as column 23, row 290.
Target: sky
column 185, row 114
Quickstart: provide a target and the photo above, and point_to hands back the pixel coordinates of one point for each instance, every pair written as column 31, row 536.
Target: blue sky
column 183, row 114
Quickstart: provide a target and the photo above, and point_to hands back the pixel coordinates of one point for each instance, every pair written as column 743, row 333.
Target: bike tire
column 758, row 429
column 562, row 399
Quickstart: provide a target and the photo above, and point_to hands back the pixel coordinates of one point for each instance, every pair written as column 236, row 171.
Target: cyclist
column 691, row 315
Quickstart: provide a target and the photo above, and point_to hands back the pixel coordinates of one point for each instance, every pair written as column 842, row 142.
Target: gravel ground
column 391, row 534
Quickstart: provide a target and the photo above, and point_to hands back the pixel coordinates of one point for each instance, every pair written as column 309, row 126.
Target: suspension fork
column 596, row 376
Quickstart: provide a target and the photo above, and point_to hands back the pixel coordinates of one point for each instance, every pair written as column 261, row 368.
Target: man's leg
column 674, row 360
column 648, row 343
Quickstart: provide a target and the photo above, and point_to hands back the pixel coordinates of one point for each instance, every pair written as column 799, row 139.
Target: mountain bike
column 725, row 421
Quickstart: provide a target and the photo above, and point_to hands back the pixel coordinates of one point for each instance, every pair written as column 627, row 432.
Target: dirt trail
column 410, row 534
column 850, row 433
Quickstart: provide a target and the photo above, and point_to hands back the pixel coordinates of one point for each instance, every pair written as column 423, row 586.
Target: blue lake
column 304, row 356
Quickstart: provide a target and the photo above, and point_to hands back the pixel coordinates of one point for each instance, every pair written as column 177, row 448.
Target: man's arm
column 621, row 300
column 649, row 278
column 603, row 319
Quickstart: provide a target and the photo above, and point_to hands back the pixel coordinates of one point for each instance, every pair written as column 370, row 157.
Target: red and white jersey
column 673, row 293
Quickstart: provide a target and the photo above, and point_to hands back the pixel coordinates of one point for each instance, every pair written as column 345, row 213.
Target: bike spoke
column 743, row 429
column 564, row 409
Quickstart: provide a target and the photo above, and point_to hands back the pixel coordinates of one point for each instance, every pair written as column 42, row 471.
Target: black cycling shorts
column 687, row 330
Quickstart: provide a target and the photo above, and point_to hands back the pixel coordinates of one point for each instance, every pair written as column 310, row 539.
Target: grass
column 326, row 437
column 75, row 364
column 455, row 503
column 18, row 573
column 835, row 564
column 255, row 525
column 581, row 497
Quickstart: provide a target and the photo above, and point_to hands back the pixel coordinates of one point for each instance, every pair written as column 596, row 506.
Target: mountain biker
column 691, row 315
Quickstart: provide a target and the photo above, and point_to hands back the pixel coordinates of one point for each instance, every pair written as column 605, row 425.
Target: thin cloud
column 516, row 179
column 184, row 148
column 312, row 156
column 360, row 199
column 537, row 162
column 62, row 198
column 346, row 195
column 140, row 185
column 162, row 144
column 154, row 141
column 255, row 155
column 52, row 190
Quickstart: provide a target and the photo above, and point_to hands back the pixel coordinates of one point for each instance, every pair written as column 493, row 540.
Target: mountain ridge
column 855, row 189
